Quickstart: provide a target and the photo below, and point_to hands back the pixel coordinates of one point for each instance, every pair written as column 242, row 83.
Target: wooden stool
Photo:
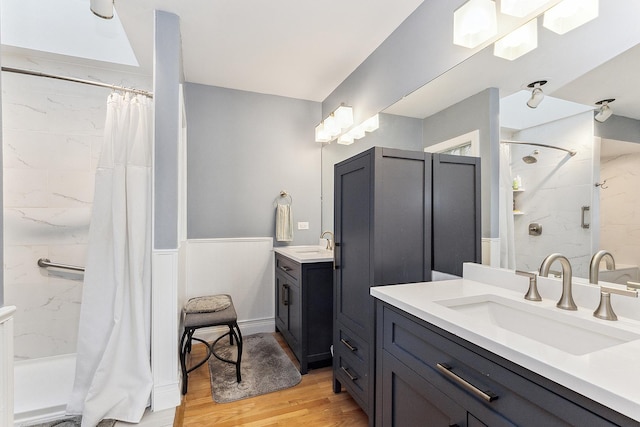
column 207, row 311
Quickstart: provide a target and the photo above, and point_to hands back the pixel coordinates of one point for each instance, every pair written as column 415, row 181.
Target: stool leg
column 183, row 361
column 231, row 334
column 239, row 360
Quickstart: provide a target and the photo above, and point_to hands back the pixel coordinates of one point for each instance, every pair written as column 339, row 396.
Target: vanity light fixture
column 345, row 139
column 604, row 112
column 520, row 8
column 537, row 95
column 333, row 125
column 369, row 125
column 518, row 42
column 474, row 23
column 570, row 14
column 102, row 8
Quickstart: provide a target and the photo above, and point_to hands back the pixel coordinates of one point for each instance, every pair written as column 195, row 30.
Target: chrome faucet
column 594, row 265
column 329, row 241
column 566, row 299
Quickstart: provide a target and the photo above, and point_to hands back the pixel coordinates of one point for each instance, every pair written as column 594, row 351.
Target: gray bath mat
column 265, row 368
column 71, row 422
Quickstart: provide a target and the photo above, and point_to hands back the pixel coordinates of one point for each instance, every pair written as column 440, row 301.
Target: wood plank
column 310, row 403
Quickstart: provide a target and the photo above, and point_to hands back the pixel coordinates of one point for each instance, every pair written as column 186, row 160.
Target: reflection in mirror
column 581, row 67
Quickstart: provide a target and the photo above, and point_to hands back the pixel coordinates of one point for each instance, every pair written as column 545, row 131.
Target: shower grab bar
column 45, row 262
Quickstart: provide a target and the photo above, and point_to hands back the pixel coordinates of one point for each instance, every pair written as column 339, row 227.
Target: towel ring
column 285, row 197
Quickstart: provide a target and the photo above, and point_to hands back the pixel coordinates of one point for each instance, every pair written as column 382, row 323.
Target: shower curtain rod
column 73, row 79
column 571, row 152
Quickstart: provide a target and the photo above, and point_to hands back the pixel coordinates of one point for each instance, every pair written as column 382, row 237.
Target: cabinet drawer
column 351, row 346
column 353, row 376
column 288, row 266
column 518, row 400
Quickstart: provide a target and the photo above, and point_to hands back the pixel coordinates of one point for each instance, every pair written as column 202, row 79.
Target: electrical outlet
column 303, row 226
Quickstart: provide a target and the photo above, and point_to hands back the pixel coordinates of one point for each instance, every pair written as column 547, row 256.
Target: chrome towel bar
column 44, row 262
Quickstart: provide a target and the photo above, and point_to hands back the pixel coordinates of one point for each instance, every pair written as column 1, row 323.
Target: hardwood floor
column 310, row 403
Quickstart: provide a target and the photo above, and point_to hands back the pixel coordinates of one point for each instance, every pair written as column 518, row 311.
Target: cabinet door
column 295, row 317
column 410, row 400
column 282, row 302
column 352, row 231
column 456, row 212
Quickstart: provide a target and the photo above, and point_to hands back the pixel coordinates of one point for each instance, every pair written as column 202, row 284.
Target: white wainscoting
column 240, row 267
column 164, row 330
column 491, row 251
column 6, row 365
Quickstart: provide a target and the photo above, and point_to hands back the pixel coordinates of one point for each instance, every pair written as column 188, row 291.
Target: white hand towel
column 284, row 223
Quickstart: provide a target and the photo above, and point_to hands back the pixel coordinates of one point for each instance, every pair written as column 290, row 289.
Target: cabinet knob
column 285, row 294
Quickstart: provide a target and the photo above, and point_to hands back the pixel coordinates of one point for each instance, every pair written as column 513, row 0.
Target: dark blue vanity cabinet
column 304, row 296
column 472, row 387
column 398, row 216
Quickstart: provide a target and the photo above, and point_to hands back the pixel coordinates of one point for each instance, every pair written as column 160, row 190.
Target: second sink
column 565, row 332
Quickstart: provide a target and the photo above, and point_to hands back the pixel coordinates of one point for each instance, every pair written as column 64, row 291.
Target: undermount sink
column 563, row 331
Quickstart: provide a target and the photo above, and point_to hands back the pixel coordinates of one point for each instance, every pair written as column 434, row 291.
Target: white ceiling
column 296, row 48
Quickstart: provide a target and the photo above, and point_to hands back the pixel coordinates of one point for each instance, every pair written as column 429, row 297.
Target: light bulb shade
column 345, row 139
column 518, row 42
column 603, row 113
column 474, row 23
column 536, row 98
column 570, row 14
column 357, row 132
column 331, row 125
column 344, row 117
column 321, row 134
column 520, row 8
column 371, row 124
column 102, row 8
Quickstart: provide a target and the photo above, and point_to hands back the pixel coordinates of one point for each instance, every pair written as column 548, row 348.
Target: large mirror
column 581, row 203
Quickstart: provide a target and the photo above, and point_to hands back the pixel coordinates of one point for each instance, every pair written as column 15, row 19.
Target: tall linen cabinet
column 398, row 216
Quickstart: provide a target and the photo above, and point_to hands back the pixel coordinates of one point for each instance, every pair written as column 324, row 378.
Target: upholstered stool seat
column 203, row 312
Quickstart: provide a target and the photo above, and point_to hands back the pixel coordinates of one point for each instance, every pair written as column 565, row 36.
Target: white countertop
column 306, row 254
column 610, row 376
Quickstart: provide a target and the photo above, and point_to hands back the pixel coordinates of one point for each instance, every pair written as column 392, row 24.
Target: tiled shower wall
column 52, row 136
column 556, row 188
column 619, row 208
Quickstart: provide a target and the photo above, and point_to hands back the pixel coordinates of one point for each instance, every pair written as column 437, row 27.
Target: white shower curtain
column 507, row 236
column 113, row 372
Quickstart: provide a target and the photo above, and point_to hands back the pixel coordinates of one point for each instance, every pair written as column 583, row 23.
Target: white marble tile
column 25, row 188
column 38, row 226
column 70, row 189
column 20, row 265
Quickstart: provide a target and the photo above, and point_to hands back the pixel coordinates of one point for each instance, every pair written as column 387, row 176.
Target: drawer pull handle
column 346, row 371
column 348, row 345
column 446, row 370
column 285, row 294
column 285, row 268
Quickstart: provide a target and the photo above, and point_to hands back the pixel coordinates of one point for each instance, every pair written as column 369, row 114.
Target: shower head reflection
column 531, row 158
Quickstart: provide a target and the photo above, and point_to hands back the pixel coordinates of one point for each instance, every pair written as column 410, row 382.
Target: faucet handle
column 532, row 294
column 633, row 285
column 605, row 310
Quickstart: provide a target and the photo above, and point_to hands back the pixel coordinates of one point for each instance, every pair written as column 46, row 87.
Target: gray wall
column 619, row 128
column 167, row 75
column 482, row 112
column 243, row 149
column 394, row 132
column 410, row 57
